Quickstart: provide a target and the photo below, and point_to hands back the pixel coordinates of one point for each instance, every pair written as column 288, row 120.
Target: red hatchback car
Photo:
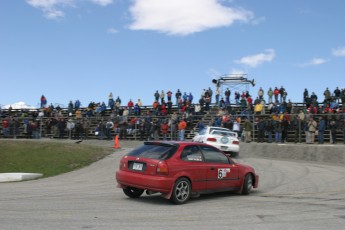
column 179, row 170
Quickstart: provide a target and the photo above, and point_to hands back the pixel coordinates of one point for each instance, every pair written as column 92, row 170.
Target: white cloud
column 53, row 13
column 184, row 17
column 237, row 72
column 48, row 3
column 339, row 52
column 18, row 105
column 102, row 2
column 305, row 11
column 216, row 74
column 257, row 59
column 52, row 8
column 258, row 21
column 314, row 62
column 112, row 31
column 318, row 61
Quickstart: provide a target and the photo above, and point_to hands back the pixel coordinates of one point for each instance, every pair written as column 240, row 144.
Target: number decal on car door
column 222, row 172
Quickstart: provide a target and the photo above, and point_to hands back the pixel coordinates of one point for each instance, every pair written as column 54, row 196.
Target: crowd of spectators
column 173, row 113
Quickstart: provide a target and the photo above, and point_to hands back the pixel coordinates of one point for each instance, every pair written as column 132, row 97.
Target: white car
column 221, row 138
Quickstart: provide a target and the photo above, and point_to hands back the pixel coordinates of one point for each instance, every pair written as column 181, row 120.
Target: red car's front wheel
column 248, row 184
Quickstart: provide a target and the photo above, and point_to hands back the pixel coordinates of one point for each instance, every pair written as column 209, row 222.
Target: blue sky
column 85, row 49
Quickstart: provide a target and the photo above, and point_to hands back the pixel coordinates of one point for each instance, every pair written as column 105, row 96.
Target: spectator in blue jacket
column 321, row 130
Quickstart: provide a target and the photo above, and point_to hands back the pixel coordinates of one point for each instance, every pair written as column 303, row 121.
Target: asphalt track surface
column 291, row 195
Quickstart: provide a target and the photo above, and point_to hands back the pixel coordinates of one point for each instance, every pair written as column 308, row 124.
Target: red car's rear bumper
column 160, row 184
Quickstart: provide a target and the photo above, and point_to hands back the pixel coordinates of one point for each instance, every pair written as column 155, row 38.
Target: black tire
column 133, row 192
column 181, row 191
column 248, row 184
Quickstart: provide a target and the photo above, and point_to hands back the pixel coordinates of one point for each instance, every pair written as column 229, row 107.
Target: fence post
column 41, row 125
column 300, row 131
column 253, row 138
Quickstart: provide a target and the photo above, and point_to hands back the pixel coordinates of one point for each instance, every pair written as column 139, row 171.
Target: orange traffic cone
column 116, row 142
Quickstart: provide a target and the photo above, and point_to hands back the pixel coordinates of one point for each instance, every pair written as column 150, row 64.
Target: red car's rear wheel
column 181, row 191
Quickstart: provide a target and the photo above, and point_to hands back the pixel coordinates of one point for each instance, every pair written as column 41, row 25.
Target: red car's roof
column 180, row 143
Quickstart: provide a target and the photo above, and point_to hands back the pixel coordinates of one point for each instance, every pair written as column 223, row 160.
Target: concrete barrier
column 10, row 177
column 326, row 153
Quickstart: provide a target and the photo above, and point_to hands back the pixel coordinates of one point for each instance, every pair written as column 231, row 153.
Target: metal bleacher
column 206, row 117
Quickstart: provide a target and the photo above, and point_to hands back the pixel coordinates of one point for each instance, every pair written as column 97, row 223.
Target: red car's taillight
column 212, row 139
column 123, row 163
column 236, row 142
column 162, row 168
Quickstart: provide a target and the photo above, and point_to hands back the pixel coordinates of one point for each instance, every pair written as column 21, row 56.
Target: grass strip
column 47, row 158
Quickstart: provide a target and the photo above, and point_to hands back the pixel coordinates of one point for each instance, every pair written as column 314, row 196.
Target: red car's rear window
column 158, row 151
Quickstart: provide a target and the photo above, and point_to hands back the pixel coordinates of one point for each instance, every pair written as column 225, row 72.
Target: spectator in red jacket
column 130, row 105
column 163, row 109
column 276, row 94
column 5, row 128
column 164, row 129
